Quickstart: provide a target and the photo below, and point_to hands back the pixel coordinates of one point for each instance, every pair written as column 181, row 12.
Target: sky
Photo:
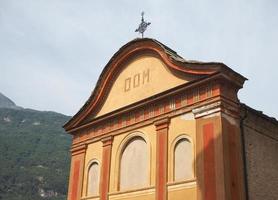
column 52, row 51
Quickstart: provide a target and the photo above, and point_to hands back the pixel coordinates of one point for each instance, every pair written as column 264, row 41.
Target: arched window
column 93, row 179
column 183, row 160
column 134, row 164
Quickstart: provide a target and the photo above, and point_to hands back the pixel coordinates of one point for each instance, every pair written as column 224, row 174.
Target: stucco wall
column 181, row 126
column 93, row 154
column 143, row 77
column 261, row 151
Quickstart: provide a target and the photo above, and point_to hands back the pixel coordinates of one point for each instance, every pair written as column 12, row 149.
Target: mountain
column 34, row 153
column 5, row 102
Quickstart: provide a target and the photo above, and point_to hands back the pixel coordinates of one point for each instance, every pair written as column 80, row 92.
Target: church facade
column 160, row 127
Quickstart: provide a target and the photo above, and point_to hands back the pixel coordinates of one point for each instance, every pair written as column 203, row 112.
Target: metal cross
column 143, row 25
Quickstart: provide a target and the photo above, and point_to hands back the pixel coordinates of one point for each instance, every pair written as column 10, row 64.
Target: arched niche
column 93, row 178
column 134, row 163
column 183, row 162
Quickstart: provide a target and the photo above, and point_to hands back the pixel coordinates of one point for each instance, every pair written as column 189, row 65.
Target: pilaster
column 219, row 155
column 105, row 168
column 162, row 127
column 76, row 172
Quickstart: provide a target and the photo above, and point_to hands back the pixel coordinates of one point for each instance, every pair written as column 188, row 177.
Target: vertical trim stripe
column 161, row 159
column 105, row 170
column 209, row 162
column 75, row 181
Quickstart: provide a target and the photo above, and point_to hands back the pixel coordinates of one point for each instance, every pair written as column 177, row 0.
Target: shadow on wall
column 219, row 165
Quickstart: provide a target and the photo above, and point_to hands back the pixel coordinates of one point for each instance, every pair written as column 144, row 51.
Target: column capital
column 106, row 141
column 207, row 109
column 223, row 106
column 78, row 149
column 162, row 123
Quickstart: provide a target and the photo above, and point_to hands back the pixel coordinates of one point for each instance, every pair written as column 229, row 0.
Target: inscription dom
column 137, row 80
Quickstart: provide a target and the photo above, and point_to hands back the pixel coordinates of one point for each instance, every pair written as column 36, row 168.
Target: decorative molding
column 91, row 198
column 162, row 123
column 224, row 105
column 78, row 150
column 137, row 48
column 181, row 185
column 107, row 141
column 150, row 111
column 172, row 105
column 207, row 109
column 132, row 193
column 212, row 82
column 147, row 113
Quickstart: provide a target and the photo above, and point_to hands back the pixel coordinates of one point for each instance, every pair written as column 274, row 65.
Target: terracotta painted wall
column 179, row 126
column 76, row 177
column 209, row 158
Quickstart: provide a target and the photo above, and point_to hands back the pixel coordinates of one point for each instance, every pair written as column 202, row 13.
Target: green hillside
column 34, row 155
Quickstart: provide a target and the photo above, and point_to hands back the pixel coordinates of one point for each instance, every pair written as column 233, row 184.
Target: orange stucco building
column 160, row 127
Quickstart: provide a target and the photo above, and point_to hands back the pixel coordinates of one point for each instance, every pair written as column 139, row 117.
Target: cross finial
column 142, row 15
column 143, row 25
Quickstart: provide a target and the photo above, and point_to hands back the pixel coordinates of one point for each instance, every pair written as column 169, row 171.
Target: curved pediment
column 141, row 78
column 140, row 69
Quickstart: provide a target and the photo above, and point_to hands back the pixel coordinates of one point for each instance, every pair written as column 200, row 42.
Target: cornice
column 184, row 101
column 140, row 47
column 195, row 89
column 223, row 105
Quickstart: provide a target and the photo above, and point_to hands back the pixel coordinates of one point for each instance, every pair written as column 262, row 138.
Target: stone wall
column 261, row 154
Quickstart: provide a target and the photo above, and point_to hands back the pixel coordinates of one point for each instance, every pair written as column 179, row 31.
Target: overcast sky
column 52, row 51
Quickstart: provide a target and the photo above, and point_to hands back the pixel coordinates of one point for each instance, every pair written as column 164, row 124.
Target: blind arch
column 93, row 179
column 183, row 160
column 134, row 159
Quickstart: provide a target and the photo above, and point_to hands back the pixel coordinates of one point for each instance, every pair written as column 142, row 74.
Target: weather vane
column 143, row 25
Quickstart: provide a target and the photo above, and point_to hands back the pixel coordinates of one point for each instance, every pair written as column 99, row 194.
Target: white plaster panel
column 93, row 179
column 134, row 165
column 183, row 160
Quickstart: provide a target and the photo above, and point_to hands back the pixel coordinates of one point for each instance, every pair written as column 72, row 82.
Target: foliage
column 34, row 155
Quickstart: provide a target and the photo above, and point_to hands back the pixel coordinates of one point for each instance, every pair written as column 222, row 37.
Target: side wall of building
column 261, row 153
